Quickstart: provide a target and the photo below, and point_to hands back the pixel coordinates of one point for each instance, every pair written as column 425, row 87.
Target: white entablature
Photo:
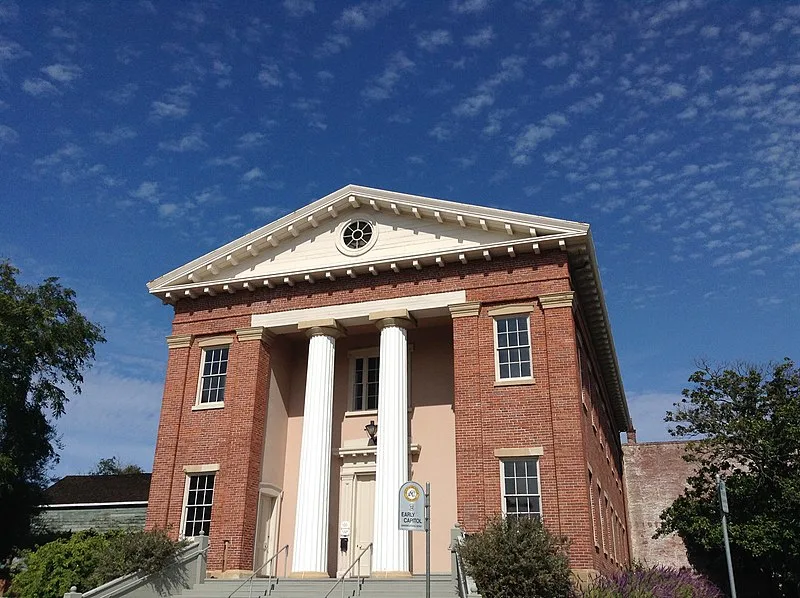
column 405, row 231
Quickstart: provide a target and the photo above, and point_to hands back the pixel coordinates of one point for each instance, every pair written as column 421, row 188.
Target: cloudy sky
column 137, row 135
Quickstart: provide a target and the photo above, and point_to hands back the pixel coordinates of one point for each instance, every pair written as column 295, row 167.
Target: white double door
column 357, row 514
column 267, row 535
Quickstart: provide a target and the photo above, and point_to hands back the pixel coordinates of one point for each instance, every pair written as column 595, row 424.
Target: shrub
column 518, row 558
column 52, row 568
column 653, row 582
column 88, row 559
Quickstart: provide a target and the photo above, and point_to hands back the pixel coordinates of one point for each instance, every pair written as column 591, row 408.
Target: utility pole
column 723, row 504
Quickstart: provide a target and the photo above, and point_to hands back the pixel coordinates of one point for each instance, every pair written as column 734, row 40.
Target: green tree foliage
column 88, row 559
column 45, row 345
column 745, row 426
column 113, row 466
column 518, row 558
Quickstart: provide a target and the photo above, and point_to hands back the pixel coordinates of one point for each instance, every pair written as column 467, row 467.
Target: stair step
column 441, row 587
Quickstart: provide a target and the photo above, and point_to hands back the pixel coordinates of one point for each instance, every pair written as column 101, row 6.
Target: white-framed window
column 198, row 500
column 364, row 368
column 513, row 347
column 519, row 482
column 213, row 375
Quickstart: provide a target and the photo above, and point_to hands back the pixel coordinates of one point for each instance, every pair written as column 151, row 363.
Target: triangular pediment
column 406, row 231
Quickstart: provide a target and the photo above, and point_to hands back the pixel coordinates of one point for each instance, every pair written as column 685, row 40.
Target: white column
column 390, row 545
column 310, row 551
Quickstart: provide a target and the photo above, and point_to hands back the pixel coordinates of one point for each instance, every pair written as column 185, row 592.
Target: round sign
column 411, row 493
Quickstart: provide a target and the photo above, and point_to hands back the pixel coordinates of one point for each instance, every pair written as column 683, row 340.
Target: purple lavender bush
column 652, row 582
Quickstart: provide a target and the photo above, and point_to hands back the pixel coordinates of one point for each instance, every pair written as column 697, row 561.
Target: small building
column 99, row 502
column 372, row 337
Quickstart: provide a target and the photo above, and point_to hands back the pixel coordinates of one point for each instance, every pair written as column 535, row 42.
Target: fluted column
column 390, row 545
column 310, row 551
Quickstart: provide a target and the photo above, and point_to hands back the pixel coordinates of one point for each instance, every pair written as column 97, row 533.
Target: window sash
column 199, row 500
column 513, row 348
column 365, row 382
column 521, row 493
column 214, row 375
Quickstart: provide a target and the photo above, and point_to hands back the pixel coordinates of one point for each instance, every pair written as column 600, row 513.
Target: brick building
column 475, row 339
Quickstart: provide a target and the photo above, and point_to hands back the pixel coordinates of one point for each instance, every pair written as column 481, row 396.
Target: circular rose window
column 356, row 237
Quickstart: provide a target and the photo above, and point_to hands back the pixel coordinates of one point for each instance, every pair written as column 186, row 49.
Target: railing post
column 73, row 593
column 202, row 559
column 456, row 535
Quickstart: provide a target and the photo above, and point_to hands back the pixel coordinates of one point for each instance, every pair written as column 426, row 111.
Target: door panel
column 264, row 549
column 362, row 532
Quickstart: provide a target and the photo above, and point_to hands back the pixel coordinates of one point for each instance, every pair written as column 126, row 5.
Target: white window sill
column 206, row 406
column 515, row 382
column 364, row 412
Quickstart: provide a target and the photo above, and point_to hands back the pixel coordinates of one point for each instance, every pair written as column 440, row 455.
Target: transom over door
column 364, row 514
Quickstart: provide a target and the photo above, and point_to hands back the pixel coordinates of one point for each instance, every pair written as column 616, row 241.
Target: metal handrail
column 461, row 575
column 343, row 577
column 269, row 577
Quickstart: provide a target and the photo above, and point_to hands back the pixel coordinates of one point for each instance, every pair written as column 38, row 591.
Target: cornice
column 179, row 341
column 465, row 310
column 254, row 333
column 551, row 300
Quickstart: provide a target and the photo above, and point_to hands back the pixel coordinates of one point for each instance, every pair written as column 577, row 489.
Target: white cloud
column 175, row 103
column 191, row 142
column 251, row 139
column 115, row 135
column 710, row 31
column 556, row 60
column 647, row 413
column 63, row 73
column 270, row 75
column 674, row 90
column 533, row 135
column 473, row 105
column 469, row 6
column 433, row 40
column 11, row 50
column 365, row 15
column 8, row 135
column 481, row 38
column 147, row 190
column 114, row 415
column 253, row 174
column 299, row 8
column 382, row 87
column 39, row 87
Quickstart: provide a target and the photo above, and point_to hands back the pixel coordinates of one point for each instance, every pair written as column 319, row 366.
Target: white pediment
column 410, row 231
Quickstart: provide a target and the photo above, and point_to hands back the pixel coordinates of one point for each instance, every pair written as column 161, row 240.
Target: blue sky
column 135, row 136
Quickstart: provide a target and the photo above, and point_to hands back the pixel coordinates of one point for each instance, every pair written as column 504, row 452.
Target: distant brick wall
column 655, row 475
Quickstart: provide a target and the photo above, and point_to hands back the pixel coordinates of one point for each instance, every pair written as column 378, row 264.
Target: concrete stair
column 441, row 587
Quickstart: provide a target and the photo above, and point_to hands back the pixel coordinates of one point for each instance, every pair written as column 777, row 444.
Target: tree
column 516, row 557
column 113, row 466
column 744, row 423
column 45, row 345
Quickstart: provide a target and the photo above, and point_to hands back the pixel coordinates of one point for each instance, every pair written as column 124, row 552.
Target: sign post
column 723, row 507
column 414, row 515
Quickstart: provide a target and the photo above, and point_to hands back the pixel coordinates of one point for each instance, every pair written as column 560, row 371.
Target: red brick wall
column 546, row 413
column 610, row 536
column 655, row 475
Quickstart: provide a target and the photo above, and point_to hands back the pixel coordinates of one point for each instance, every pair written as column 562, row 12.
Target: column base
column 309, row 575
column 390, row 574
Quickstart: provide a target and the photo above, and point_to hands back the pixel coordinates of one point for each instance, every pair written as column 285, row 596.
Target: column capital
column 563, row 299
column 325, row 327
column 254, row 333
column 465, row 310
column 393, row 317
column 179, row 341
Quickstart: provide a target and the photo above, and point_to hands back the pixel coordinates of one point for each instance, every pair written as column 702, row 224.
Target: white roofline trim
column 125, row 503
column 439, row 209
